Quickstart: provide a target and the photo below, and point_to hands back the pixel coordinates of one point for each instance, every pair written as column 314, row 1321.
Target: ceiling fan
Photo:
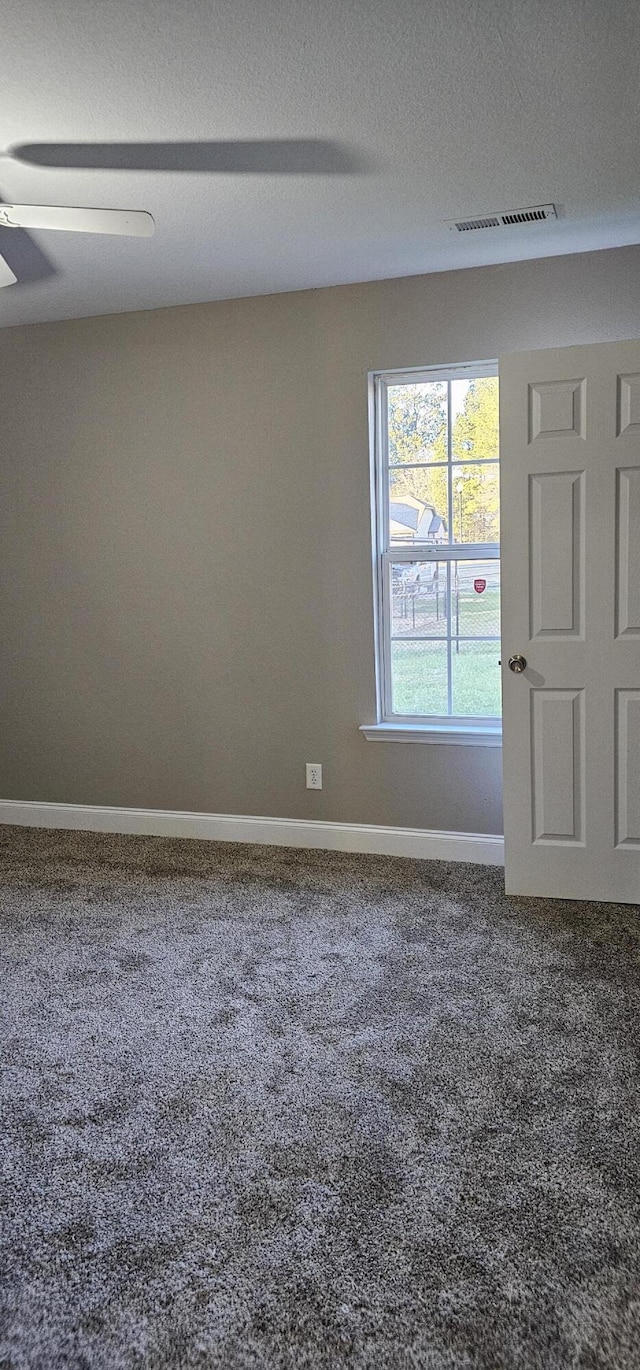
column 256, row 156
column 136, row 223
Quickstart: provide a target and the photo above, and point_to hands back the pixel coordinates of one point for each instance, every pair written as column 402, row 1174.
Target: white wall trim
column 278, row 832
column 450, row 736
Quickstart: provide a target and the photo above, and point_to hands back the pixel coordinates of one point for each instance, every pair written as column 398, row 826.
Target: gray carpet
column 267, row 1108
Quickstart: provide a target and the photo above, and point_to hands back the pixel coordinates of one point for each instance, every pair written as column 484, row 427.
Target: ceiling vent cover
column 506, row 218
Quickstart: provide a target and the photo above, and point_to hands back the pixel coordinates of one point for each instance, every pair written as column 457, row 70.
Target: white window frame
column 390, row 726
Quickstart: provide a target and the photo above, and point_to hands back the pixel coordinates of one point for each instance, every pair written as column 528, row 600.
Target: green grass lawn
column 420, row 678
column 420, row 668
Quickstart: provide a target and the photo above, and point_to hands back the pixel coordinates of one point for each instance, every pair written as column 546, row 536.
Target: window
column 437, row 549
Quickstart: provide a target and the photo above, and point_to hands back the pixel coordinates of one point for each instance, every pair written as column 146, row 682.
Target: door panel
column 627, row 768
column 629, row 404
column 556, row 530
column 557, row 736
column 570, row 496
column 556, row 409
column 628, row 558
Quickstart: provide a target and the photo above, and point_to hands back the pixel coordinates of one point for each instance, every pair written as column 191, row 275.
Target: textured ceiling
column 436, row 109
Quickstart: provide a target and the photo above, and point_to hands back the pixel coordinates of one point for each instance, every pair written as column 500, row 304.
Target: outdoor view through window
column 439, row 544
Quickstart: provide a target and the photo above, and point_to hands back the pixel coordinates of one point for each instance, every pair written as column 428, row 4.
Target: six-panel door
column 570, row 498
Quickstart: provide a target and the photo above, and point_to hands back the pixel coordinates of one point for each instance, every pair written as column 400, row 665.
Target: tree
column 475, row 430
column 417, row 416
column 475, row 437
column 417, row 422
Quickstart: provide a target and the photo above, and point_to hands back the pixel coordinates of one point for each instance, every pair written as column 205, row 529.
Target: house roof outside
column 411, row 519
column 407, row 515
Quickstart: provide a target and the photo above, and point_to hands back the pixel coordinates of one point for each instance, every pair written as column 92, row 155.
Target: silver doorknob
column 517, row 663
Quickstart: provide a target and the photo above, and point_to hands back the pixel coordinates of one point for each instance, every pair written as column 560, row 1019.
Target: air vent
column 466, row 225
column 507, row 218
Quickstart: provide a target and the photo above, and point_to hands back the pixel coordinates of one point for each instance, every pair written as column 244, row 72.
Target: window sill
column 456, row 735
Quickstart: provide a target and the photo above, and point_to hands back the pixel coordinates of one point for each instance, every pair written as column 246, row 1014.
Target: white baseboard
column 277, row 832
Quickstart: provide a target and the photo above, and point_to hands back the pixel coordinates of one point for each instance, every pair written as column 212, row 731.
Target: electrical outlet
column 314, row 775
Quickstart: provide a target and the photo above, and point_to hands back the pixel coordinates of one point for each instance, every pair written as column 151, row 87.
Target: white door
column 570, row 500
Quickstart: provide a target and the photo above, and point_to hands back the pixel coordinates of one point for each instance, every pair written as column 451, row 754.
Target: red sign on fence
column 479, row 585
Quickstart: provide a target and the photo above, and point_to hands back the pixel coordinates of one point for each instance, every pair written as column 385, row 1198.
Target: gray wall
column 185, row 609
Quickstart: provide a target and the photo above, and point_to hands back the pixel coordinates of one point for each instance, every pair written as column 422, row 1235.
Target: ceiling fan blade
column 7, row 276
column 135, row 223
column 251, row 156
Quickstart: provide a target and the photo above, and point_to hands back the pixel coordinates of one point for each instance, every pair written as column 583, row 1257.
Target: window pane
column 441, row 461
column 474, row 418
column 419, row 677
column 419, row 599
column 476, row 503
column 475, row 676
column 417, row 422
column 418, row 506
column 475, row 598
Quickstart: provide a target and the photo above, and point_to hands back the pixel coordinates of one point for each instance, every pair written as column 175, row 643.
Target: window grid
column 389, row 553
column 439, row 465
